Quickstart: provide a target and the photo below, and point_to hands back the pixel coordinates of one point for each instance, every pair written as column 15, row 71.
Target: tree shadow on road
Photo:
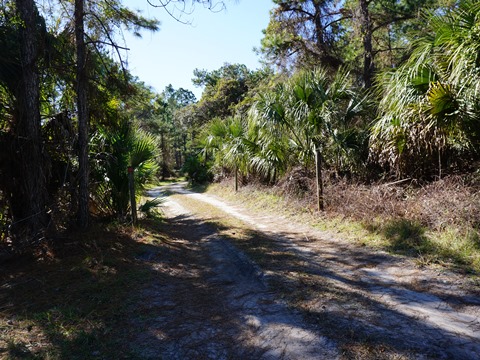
column 337, row 305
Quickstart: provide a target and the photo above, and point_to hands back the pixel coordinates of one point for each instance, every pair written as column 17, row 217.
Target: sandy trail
column 421, row 313
column 220, row 307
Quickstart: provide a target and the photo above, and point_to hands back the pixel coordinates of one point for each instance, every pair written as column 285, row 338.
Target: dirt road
column 307, row 295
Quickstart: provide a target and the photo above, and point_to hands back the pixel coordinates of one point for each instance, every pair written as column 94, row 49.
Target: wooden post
column 318, row 168
column 236, row 178
column 133, row 203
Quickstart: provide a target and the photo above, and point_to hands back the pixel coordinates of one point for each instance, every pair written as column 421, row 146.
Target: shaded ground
column 212, row 302
column 219, row 281
column 236, row 285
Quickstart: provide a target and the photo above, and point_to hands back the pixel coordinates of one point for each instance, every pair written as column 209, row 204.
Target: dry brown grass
column 451, row 202
column 436, row 223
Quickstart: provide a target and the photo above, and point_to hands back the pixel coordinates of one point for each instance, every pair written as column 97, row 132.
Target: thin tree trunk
column 82, row 83
column 439, row 164
column 366, row 28
column 29, row 190
column 133, row 203
column 318, row 172
column 164, row 156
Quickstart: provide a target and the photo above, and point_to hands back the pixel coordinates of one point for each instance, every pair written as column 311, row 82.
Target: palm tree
column 269, row 150
column 226, row 139
column 310, row 108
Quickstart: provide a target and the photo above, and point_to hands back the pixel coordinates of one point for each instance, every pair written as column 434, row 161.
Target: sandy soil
column 211, row 301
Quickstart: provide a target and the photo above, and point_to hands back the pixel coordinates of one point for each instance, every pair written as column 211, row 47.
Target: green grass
column 454, row 248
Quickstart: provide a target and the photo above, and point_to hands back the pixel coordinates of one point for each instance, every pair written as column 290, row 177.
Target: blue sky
column 170, row 55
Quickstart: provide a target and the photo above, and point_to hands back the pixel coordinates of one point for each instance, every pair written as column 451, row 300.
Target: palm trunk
column 29, row 190
column 82, row 83
column 318, row 171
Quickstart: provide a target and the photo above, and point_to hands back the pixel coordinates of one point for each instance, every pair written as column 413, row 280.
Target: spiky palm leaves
column 226, row 140
column 310, row 110
column 117, row 149
column 288, row 124
column 307, row 116
column 430, row 105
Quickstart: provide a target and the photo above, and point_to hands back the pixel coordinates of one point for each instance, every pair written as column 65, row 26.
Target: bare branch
column 116, row 47
column 91, row 41
column 179, row 8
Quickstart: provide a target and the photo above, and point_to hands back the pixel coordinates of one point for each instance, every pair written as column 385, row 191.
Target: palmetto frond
column 122, row 147
column 427, row 101
column 307, row 108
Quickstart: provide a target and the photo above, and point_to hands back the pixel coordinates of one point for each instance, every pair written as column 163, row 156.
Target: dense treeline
column 364, row 90
column 73, row 119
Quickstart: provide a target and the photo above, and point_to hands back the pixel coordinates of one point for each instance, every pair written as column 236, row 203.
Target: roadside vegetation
column 435, row 224
column 368, row 112
column 363, row 121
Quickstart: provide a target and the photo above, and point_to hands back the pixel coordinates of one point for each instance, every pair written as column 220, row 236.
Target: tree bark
column 29, row 190
column 131, row 187
column 82, row 108
column 318, row 172
column 163, row 147
column 366, row 29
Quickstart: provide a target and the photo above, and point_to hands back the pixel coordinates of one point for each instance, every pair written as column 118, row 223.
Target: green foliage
column 286, row 122
column 196, row 171
column 428, row 111
column 151, row 207
column 304, row 34
column 117, row 149
column 227, row 91
column 310, row 110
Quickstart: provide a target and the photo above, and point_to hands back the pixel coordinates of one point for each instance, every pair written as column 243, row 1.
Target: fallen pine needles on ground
column 70, row 303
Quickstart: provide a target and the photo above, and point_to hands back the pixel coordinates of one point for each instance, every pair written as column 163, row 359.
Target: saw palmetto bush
column 313, row 110
column 118, row 149
column 314, row 118
column 429, row 108
column 226, row 142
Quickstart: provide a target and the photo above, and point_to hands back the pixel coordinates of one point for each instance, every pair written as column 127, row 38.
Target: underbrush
column 437, row 223
column 71, row 301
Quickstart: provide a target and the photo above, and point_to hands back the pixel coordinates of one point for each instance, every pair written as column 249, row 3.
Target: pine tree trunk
column 163, row 148
column 29, row 190
column 318, row 171
column 366, row 27
column 82, row 83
